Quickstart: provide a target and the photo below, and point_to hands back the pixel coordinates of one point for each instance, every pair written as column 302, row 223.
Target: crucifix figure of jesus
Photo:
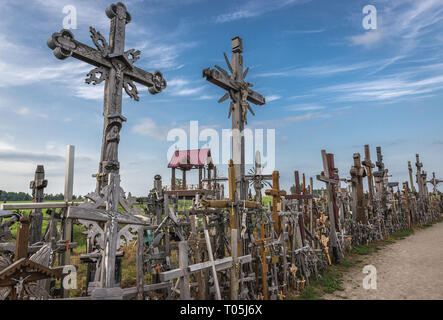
column 116, row 67
column 240, row 93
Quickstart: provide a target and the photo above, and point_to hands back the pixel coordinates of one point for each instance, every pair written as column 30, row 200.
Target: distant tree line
column 22, row 196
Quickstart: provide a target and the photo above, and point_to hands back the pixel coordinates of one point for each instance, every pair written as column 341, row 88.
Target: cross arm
column 154, row 81
column 101, row 215
column 277, row 193
column 64, row 45
column 217, row 78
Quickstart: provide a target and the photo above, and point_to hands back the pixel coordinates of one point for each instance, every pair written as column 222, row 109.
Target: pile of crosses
column 216, row 248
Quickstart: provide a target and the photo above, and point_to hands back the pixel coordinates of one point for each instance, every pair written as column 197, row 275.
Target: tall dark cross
column 116, row 67
column 380, row 177
column 369, row 166
column 240, row 94
column 358, row 173
column 300, row 196
column 421, row 178
column 329, row 175
column 37, row 185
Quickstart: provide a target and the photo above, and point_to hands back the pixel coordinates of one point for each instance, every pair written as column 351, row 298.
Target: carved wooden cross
column 380, row 177
column 231, row 203
column 369, row 166
column 115, row 66
column 264, row 265
column 299, row 196
column 358, row 173
column 276, row 193
column 240, row 94
column 37, row 186
column 330, row 176
column 434, row 183
column 257, row 178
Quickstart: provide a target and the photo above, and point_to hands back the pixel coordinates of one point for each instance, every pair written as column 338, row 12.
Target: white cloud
column 256, row 8
column 272, row 98
column 147, row 127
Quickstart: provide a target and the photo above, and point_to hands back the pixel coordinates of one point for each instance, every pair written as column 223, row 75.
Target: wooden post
column 185, row 293
column 276, row 193
column 264, row 265
column 172, row 178
column 214, row 271
column 21, row 243
column 69, row 186
column 139, row 263
column 199, row 274
column 234, row 269
column 184, row 179
column 37, row 186
column 200, row 183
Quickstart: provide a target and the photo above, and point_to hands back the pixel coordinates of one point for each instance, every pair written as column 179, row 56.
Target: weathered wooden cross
column 276, row 193
column 358, row 173
column 116, row 67
column 240, row 94
column 369, row 166
column 330, row 176
column 37, row 186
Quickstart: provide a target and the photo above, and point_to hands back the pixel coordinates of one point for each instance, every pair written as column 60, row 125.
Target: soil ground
column 410, row 268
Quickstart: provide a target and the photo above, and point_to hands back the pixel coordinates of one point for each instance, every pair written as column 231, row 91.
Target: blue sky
column 329, row 83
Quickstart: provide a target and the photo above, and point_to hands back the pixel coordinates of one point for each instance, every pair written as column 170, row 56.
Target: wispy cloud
column 272, row 98
column 147, row 127
column 256, row 8
column 183, row 87
column 405, row 22
column 305, row 107
column 289, row 120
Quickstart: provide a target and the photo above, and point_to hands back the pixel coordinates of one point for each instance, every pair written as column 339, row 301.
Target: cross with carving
column 116, row 67
column 240, row 93
column 276, row 193
column 369, row 165
column 357, row 173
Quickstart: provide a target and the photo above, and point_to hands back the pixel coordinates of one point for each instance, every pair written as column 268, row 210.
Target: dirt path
column 411, row 268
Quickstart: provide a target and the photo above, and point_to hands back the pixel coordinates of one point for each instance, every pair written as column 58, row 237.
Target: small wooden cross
column 276, row 193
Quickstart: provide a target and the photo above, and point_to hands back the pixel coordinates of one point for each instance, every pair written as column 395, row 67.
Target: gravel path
column 411, row 268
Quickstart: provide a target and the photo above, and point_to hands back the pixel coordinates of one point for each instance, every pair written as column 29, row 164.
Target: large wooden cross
column 358, row 173
column 240, row 94
column 276, row 193
column 369, row 165
column 330, row 176
column 116, row 67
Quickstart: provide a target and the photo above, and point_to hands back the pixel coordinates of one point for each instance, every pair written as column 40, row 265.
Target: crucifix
column 411, row 180
column 116, row 67
column 240, row 93
column 276, row 193
column 380, row 177
column 299, row 196
column 434, row 183
column 421, row 179
column 37, row 186
column 369, row 166
column 257, row 179
column 358, row 173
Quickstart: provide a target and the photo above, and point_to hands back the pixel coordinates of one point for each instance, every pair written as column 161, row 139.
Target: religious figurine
column 112, row 140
